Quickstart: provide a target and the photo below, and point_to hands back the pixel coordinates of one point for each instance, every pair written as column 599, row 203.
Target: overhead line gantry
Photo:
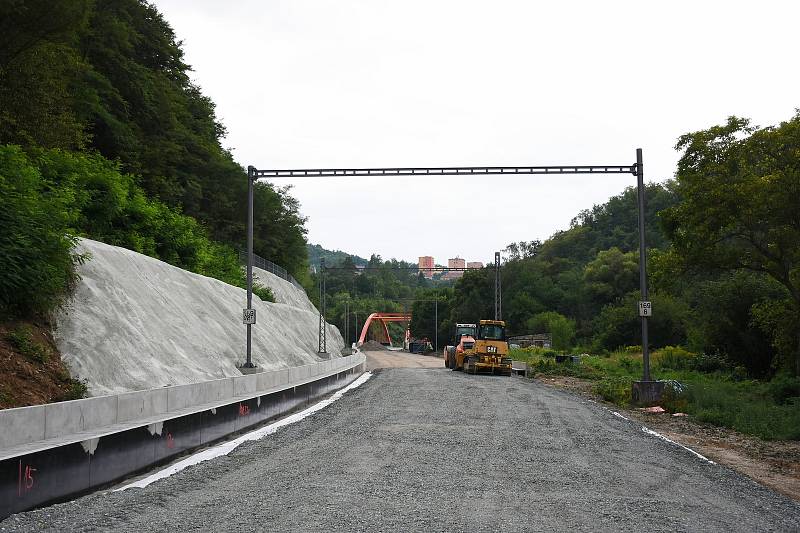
column 645, row 388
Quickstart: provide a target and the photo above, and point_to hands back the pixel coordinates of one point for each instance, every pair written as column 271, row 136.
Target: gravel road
column 435, row 450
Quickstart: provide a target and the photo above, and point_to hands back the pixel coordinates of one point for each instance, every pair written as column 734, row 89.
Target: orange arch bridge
column 382, row 319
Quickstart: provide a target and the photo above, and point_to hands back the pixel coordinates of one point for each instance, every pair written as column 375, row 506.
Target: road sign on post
column 251, row 178
column 248, row 316
column 645, row 308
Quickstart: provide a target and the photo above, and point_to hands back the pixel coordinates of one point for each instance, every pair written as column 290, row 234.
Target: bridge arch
column 382, row 319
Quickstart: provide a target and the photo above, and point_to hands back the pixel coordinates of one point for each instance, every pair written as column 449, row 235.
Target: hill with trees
column 103, row 134
column 332, row 257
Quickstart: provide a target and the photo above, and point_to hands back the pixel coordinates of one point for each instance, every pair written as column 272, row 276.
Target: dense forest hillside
column 103, row 134
column 332, row 257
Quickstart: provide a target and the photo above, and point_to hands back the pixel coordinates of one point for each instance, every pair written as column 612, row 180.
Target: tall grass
column 712, row 391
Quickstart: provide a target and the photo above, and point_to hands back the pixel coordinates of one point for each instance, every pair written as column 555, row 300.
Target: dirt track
column 435, row 450
column 392, row 359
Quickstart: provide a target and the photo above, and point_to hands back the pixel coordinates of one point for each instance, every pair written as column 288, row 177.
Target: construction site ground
column 775, row 464
column 428, row 449
column 398, row 359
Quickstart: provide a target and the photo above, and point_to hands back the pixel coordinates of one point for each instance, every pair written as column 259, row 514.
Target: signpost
column 248, row 316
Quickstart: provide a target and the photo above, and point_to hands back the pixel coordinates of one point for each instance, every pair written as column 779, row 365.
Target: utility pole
column 436, row 325
column 498, row 290
column 323, row 341
column 249, row 315
column 646, row 391
column 347, row 322
column 643, row 264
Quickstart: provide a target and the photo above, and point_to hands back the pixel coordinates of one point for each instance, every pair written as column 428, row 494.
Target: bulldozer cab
column 464, row 329
column 492, row 330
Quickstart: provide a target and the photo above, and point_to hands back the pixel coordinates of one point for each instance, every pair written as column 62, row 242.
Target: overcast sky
column 352, row 83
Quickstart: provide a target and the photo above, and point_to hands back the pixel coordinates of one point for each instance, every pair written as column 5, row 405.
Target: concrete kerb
column 137, row 405
column 64, row 418
column 68, row 422
column 23, row 424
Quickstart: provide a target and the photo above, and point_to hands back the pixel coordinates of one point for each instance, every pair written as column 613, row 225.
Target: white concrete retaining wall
column 75, row 420
column 136, row 323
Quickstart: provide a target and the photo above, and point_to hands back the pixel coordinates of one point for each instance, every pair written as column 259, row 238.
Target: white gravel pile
column 138, row 323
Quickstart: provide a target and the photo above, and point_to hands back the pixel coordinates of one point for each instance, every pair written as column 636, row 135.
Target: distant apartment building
column 455, row 262
column 474, row 264
column 426, row 266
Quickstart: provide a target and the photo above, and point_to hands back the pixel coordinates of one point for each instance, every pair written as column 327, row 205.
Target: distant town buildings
column 455, row 262
column 426, row 266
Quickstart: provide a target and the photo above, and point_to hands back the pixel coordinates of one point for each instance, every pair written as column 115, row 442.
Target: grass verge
column 701, row 386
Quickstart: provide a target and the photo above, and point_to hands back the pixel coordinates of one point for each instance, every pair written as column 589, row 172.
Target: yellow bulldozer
column 487, row 352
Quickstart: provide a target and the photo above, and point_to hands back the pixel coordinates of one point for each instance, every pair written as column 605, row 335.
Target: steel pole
column 498, row 298
column 250, row 179
column 321, row 334
column 642, row 261
column 436, row 326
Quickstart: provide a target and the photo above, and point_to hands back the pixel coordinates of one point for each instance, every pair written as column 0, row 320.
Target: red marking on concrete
column 25, row 482
column 244, row 409
column 170, row 441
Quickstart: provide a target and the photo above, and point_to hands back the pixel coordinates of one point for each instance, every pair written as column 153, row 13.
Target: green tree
column 35, row 250
column 611, row 275
column 618, row 324
column 740, row 208
column 560, row 328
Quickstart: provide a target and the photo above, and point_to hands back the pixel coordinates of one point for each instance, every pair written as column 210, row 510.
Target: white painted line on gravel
column 660, row 436
column 227, row 447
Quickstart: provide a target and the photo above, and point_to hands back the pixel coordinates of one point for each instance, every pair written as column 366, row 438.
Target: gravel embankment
column 434, row 450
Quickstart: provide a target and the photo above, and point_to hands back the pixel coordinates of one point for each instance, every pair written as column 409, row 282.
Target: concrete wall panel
column 245, row 385
column 138, row 405
column 21, row 425
column 65, row 418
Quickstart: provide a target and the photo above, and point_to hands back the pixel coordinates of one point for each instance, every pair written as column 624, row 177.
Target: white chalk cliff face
column 137, row 323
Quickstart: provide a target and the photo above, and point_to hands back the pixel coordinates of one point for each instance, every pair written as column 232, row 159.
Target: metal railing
column 269, row 266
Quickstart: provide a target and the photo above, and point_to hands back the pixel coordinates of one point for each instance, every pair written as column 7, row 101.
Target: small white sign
column 645, row 308
column 248, row 316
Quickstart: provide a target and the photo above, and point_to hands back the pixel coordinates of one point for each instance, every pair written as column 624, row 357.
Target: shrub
column 674, row 398
column 674, row 358
column 77, row 389
column 630, row 364
column 784, row 388
column 616, row 390
column 35, row 248
column 21, row 338
column 710, row 363
column 265, row 293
